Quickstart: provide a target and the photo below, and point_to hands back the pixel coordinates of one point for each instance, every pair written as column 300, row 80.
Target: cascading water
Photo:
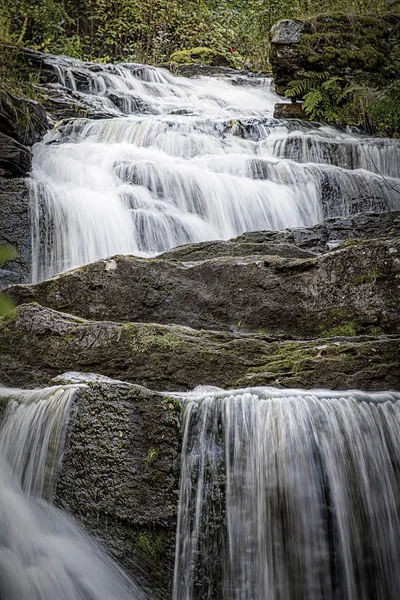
column 43, row 554
column 289, row 495
column 32, row 434
column 186, row 161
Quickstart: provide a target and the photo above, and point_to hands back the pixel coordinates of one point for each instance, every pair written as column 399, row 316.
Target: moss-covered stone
column 38, row 343
column 119, row 475
column 365, row 47
column 297, row 296
column 201, row 56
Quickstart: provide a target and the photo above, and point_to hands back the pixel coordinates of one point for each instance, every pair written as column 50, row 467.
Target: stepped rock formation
column 37, row 343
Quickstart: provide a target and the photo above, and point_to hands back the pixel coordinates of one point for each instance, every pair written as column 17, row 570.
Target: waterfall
column 289, row 495
column 43, row 553
column 181, row 160
column 32, row 435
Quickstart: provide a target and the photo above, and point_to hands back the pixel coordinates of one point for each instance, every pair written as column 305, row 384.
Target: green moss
column 148, row 337
column 152, row 455
column 349, row 329
column 201, row 56
column 350, row 244
column 369, row 277
column 151, row 545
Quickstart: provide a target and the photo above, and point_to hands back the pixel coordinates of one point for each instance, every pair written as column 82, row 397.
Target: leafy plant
column 338, row 100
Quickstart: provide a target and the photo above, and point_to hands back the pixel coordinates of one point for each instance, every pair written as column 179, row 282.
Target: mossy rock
column 119, row 475
column 38, row 343
column 363, row 46
column 201, row 56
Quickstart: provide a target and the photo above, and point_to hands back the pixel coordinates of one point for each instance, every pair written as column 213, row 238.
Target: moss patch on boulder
column 202, row 56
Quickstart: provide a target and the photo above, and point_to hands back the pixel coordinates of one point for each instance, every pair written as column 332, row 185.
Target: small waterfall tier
column 289, row 495
column 43, row 553
column 181, row 160
column 32, row 435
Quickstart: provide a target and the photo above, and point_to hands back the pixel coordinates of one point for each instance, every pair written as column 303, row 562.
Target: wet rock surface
column 119, row 475
column 38, row 343
column 15, row 230
column 292, row 110
column 22, row 119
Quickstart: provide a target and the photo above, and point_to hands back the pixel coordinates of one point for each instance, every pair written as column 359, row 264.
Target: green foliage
column 37, row 23
column 151, row 31
column 339, row 100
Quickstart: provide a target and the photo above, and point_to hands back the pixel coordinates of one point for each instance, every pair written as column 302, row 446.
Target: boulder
column 351, row 290
column 22, row 119
column 119, row 474
column 288, row 31
column 201, row 56
column 38, row 343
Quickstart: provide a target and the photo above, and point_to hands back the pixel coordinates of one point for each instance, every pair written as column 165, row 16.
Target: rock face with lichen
column 38, row 343
column 22, row 123
column 15, row 229
column 119, row 474
column 366, row 47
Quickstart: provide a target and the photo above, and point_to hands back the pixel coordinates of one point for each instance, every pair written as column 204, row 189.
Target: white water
column 32, row 435
column 43, row 554
column 186, row 161
column 289, row 495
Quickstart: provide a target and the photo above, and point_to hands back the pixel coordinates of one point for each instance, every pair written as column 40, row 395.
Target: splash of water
column 187, row 160
column 289, row 495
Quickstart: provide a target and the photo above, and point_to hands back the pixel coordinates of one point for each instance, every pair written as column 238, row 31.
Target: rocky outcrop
column 327, row 235
column 15, row 230
column 201, row 56
column 362, row 46
column 39, row 343
column 119, row 475
column 351, row 290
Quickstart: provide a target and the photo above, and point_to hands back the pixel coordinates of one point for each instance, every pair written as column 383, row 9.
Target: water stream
column 289, row 495
column 180, row 160
column 43, row 553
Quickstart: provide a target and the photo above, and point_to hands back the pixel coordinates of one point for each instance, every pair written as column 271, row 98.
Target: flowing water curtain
column 32, row 435
column 289, row 495
column 188, row 160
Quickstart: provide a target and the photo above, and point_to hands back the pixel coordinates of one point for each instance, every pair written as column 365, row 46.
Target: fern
column 310, row 80
column 312, row 103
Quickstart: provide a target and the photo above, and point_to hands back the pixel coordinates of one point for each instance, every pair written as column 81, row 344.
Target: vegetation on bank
column 224, row 32
column 152, row 30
